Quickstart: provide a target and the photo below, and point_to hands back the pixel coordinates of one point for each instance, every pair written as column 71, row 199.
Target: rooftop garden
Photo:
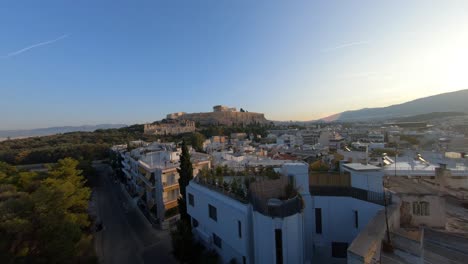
column 236, row 184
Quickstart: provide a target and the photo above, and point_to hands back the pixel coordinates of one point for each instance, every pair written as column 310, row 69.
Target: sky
column 93, row 62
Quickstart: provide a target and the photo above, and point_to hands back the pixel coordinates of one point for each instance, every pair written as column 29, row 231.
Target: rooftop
column 410, row 186
column 361, row 167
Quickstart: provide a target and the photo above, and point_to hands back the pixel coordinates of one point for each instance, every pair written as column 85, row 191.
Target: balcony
column 360, row 194
column 169, row 187
column 170, row 204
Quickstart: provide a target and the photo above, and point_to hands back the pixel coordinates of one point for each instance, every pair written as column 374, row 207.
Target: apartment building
column 264, row 226
column 152, row 177
column 342, row 208
column 376, row 137
column 316, row 225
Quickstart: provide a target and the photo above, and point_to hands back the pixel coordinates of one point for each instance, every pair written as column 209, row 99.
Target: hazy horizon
column 88, row 63
column 207, row 110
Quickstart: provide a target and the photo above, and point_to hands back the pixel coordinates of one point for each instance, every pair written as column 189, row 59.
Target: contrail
column 345, row 45
column 18, row 52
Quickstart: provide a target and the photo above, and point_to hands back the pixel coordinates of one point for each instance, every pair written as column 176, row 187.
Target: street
column 127, row 236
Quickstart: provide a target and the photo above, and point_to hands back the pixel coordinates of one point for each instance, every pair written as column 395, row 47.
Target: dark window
column 217, row 241
column 212, row 212
column 339, row 250
column 244, row 260
column 279, row 246
column 239, row 229
column 318, row 220
column 291, row 179
column 191, row 199
column 194, row 222
column 356, row 219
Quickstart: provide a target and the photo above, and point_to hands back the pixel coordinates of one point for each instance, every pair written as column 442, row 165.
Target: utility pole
column 388, row 247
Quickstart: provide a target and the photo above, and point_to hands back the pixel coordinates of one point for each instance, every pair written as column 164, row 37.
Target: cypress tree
column 185, row 175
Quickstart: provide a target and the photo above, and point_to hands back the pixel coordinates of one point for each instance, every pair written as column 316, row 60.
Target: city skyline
column 90, row 63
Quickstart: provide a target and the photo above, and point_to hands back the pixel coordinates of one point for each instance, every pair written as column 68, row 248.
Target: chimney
column 441, row 173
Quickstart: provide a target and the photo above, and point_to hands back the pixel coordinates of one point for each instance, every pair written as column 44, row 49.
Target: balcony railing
column 364, row 195
column 170, row 204
column 277, row 208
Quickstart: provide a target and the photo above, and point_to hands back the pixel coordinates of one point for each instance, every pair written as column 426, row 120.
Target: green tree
column 185, row 175
column 43, row 216
column 184, row 248
column 197, row 141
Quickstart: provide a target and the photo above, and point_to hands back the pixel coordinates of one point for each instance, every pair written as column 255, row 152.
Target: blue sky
column 90, row 62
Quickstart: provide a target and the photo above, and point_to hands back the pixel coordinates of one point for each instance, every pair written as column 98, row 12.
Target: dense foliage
column 43, row 216
column 77, row 145
column 185, row 175
column 319, row 165
column 95, row 145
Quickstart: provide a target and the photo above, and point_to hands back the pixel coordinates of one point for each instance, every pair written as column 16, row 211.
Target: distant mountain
column 446, row 102
column 429, row 117
column 54, row 130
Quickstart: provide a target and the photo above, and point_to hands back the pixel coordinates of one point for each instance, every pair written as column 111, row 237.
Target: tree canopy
column 43, row 216
column 185, row 175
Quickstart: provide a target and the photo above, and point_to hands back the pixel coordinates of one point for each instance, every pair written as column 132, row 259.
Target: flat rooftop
column 410, row 186
column 361, row 167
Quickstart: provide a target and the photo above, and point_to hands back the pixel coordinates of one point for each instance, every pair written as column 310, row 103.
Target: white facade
column 339, row 222
column 152, row 176
column 365, row 177
column 319, row 233
column 230, row 214
column 245, row 234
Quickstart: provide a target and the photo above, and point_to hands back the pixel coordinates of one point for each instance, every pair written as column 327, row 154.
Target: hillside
column 446, row 102
column 54, row 130
column 429, row 117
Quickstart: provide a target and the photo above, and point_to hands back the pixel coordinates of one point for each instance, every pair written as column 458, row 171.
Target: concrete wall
column 436, row 217
column 300, row 172
column 371, row 181
column 264, row 238
column 338, row 223
column 229, row 212
column 366, row 247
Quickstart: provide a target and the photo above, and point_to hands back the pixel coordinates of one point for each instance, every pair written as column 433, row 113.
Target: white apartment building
column 315, row 226
column 341, row 212
column 261, row 229
column 152, row 177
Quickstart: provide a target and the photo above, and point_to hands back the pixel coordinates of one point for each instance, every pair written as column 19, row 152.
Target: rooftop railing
column 276, row 207
column 218, row 187
column 360, row 194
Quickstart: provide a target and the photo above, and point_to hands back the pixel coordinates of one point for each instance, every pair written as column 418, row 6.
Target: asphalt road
column 126, row 237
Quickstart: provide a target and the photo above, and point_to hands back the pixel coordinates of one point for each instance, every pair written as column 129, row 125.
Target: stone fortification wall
column 225, row 118
column 174, row 127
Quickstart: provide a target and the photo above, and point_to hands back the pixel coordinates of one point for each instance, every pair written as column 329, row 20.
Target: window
column 339, row 249
column 194, row 222
column 279, row 246
column 421, row 208
column 191, row 200
column 291, row 179
column 244, row 260
column 217, row 241
column 416, row 208
column 212, row 212
column 318, row 220
column 356, row 219
column 239, row 229
column 424, row 208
